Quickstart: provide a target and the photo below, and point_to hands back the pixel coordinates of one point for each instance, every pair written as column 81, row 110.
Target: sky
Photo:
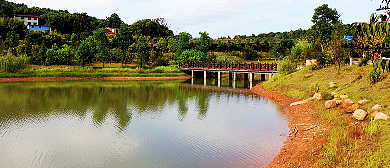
column 217, row 17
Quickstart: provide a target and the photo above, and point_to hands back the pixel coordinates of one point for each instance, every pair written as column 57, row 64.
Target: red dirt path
column 307, row 134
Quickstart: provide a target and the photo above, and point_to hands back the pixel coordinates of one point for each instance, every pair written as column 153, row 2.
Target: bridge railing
column 230, row 66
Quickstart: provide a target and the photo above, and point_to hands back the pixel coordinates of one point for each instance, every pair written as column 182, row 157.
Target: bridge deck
column 230, row 67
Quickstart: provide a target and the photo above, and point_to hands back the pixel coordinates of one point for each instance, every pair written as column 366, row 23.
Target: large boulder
column 338, row 100
column 346, row 103
column 330, row 104
column 377, row 107
column 359, row 114
column 355, row 106
column 381, row 116
column 349, row 109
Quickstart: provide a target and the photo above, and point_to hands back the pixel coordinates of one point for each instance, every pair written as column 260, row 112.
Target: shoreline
column 307, row 132
column 101, row 78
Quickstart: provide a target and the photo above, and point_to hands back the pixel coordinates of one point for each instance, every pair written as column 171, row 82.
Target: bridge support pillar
column 219, row 78
column 234, row 76
column 234, row 83
column 204, row 77
column 270, row 75
column 230, row 76
column 192, row 74
column 262, row 78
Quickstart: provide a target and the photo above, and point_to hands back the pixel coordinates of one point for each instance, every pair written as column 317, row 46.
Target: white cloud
column 269, row 17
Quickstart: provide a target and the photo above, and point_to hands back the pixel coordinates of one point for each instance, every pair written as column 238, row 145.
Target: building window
column 29, row 18
column 28, row 23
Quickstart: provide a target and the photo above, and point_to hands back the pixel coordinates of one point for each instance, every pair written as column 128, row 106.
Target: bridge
column 249, row 70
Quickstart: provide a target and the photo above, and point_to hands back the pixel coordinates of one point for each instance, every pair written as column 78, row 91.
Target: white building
column 28, row 19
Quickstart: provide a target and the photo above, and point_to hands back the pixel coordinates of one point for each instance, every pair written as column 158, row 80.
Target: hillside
column 351, row 143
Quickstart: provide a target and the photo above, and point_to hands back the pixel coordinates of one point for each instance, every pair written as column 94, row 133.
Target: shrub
column 286, row 67
column 11, row 63
column 228, row 59
column 363, row 61
column 192, row 56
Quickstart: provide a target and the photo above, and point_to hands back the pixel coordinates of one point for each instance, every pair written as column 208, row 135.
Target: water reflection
column 138, row 123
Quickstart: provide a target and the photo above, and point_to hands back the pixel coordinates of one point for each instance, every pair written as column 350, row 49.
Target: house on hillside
column 32, row 22
column 28, row 19
column 110, row 31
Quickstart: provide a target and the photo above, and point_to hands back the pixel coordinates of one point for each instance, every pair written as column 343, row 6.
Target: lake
column 137, row 124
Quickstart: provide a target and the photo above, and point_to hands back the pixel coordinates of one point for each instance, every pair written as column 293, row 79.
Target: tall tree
column 182, row 43
column 102, row 44
column 324, row 19
column 203, row 42
column 142, row 48
column 114, row 21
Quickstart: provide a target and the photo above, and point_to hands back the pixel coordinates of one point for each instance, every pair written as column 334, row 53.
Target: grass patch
column 351, row 143
column 66, row 71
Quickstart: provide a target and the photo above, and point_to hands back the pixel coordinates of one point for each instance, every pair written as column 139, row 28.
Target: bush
column 363, row 61
column 11, row 63
column 228, row 59
column 192, row 56
column 286, row 67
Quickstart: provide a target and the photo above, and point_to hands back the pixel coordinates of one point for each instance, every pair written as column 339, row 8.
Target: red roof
column 33, row 16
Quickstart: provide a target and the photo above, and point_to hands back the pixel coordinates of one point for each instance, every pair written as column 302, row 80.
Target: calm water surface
column 136, row 124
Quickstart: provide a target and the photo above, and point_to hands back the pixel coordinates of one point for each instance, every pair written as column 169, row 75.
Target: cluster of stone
column 351, row 107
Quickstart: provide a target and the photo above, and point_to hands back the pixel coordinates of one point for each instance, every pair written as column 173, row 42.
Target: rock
column 377, row 107
column 330, row 104
column 308, row 75
column 301, row 102
column 333, row 93
column 332, row 85
column 373, row 114
column 344, row 96
column 381, row 116
column 317, row 96
column 359, row 114
column 346, row 103
column 361, row 102
column 338, row 101
column 355, row 106
column 349, row 109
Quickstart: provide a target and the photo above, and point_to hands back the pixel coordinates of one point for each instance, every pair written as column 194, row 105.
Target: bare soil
column 307, row 133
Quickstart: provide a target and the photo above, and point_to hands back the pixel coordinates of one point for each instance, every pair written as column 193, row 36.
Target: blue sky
column 217, row 17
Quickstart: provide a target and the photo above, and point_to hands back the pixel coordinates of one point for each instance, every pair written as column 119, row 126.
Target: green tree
column 203, row 42
column 324, row 19
column 300, row 51
column 102, row 45
column 114, row 21
column 171, row 45
column 248, row 51
column 152, row 27
column 142, row 48
column 124, row 39
column 83, row 53
column 182, row 43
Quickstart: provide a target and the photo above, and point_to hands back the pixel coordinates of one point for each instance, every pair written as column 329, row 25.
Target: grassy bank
column 351, row 143
column 71, row 71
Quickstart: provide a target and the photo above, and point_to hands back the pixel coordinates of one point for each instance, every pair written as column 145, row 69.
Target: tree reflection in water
column 24, row 102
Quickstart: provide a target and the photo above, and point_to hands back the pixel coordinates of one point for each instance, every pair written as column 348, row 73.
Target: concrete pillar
column 204, row 77
column 192, row 81
column 219, row 75
column 350, row 61
column 270, row 75
column 235, row 76
column 192, row 74
column 234, row 83
column 251, row 76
